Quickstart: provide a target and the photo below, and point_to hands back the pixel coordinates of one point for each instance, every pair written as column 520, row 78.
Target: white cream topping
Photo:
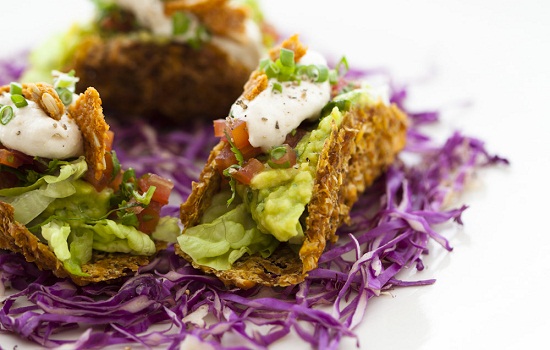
column 272, row 115
column 33, row 132
column 246, row 47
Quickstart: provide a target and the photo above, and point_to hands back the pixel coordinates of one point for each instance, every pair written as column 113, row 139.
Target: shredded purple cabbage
column 11, row 68
column 169, row 302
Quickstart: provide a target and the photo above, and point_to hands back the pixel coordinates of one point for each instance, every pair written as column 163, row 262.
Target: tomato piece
column 220, row 127
column 149, row 217
column 248, row 171
column 14, row 159
column 239, row 134
column 251, row 152
column 282, row 157
column 163, row 187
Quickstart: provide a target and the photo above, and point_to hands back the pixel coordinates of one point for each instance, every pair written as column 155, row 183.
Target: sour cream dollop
column 33, row 132
column 272, row 115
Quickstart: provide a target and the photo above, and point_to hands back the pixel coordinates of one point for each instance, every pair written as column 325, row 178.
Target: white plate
column 491, row 290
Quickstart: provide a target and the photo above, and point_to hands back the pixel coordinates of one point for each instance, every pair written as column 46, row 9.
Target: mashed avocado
column 279, row 196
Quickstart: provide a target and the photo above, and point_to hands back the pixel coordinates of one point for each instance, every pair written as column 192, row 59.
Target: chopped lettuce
column 221, row 242
column 72, row 244
column 30, row 201
column 56, row 233
column 111, row 236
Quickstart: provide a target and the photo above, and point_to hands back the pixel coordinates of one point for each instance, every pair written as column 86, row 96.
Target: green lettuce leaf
column 218, row 244
column 30, row 201
column 112, row 237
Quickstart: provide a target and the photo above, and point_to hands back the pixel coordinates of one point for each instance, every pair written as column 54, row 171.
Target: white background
column 486, row 64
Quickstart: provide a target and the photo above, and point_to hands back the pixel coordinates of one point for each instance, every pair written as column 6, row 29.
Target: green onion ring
column 19, row 101
column 6, row 114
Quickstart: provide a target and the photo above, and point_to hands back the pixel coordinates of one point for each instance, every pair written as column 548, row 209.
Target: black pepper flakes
column 241, row 104
column 277, row 125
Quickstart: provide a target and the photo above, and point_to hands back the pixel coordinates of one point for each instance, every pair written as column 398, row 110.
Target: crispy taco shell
column 354, row 155
column 103, row 266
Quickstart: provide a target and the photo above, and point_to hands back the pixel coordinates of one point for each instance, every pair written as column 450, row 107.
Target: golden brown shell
column 354, row 155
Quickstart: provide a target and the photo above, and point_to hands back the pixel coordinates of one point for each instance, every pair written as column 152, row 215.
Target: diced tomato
column 149, row 217
column 238, row 131
column 239, row 134
column 163, row 187
column 220, row 127
column 282, row 157
column 248, row 171
column 225, row 158
column 14, row 159
column 250, row 152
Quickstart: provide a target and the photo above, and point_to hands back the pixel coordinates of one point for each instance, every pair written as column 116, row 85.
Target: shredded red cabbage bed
column 169, row 302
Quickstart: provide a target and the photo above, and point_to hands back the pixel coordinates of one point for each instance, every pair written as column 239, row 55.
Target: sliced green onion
column 65, row 80
column 6, row 114
column 333, row 77
column 323, row 74
column 19, row 101
column 145, row 198
column 272, row 70
column 65, row 95
column 16, row 89
column 264, row 63
column 301, row 70
column 180, row 23
column 286, row 74
column 313, row 71
column 343, row 66
column 277, row 87
column 287, row 57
